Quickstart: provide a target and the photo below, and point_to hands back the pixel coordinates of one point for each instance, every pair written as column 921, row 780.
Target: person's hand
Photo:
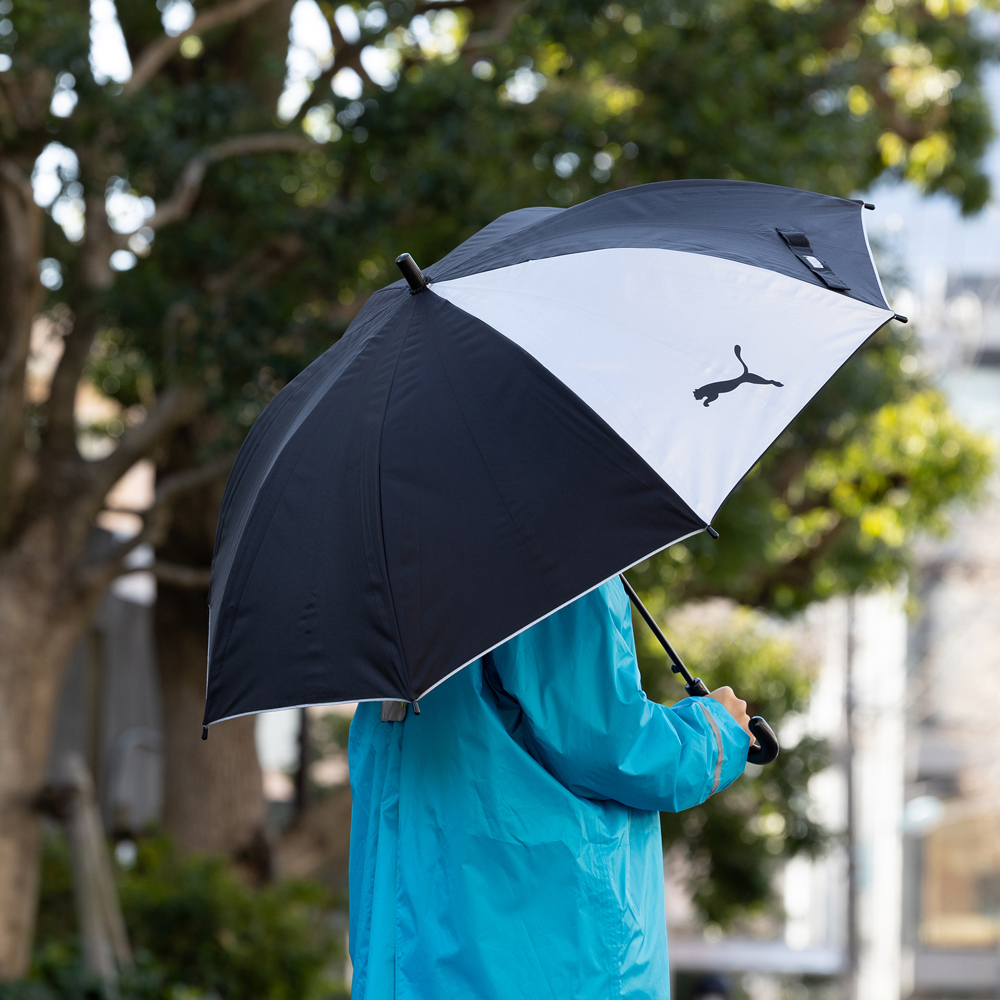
column 737, row 708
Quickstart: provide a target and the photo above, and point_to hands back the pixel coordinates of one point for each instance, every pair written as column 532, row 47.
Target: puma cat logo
column 711, row 392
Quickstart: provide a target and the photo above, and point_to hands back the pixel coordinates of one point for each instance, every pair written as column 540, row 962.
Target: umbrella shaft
column 675, row 660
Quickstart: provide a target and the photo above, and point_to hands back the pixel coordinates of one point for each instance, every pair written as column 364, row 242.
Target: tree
column 265, row 234
column 50, row 493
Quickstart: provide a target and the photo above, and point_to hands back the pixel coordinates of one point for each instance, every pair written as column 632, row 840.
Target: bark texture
column 213, row 796
column 39, row 626
column 50, row 580
column 318, row 844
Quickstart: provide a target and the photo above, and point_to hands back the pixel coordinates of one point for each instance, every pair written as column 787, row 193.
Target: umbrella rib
column 381, row 520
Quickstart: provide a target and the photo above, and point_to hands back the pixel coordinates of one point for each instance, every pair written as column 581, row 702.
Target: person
column 505, row 842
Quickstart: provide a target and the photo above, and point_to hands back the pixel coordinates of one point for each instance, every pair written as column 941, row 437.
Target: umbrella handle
column 766, row 748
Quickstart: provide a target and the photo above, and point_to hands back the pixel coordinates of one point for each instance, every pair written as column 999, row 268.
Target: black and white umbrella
column 565, row 394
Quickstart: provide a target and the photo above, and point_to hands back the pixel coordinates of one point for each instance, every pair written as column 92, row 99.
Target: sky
column 929, row 232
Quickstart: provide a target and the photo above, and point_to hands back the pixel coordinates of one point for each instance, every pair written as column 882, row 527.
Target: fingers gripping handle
column 766, row 749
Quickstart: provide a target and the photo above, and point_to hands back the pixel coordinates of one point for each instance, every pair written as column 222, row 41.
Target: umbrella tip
column 204, row 732
column 414, row 276
column 899, row 318
column 869, row 206
column 416, row 707
column 712, row 533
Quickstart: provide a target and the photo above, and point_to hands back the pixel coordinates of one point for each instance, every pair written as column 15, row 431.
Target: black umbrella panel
column 573, row 391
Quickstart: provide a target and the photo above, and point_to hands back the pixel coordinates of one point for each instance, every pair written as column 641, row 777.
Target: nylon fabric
column 731, row 220
column 505, row 843
column 512, row 523
column 650, row 339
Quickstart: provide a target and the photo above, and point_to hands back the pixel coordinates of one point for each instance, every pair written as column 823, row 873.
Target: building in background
column 951, row 907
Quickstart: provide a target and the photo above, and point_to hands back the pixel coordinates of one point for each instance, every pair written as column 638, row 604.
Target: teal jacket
column 505, row 842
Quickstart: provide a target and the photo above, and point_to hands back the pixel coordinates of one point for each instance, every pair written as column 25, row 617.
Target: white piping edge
column 565, row 604
column 349, row 701
column 871, row 257
column 292, row 708
column 208, row 652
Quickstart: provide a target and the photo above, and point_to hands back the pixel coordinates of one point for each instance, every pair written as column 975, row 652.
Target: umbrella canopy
column 574, row 390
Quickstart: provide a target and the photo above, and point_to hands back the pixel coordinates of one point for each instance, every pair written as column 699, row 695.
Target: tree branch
column 177, row 405
column 183, row 482
column 157, row 521
column 96, row 273
column 498, row 33
column 60, row 431
column 348, row 54
column 94, row 277
column 180, row 203
column 17, row 178
column 21, row 242
column 189, row 577
column 153, row 58
column 99, row 574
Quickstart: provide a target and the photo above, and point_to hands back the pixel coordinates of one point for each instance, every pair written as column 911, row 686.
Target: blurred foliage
column 328, row 735
column 484, row 107
column 196, row 930
column 728, row 849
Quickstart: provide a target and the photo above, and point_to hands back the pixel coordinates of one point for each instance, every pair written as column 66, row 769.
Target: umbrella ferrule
column 415, row 278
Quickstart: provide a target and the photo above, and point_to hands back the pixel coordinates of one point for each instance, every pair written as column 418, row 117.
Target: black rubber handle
column 766, row 749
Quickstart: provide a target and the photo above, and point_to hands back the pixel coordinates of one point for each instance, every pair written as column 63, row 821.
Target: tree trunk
column 41, row 620
column 318, row 843
column 213, row 793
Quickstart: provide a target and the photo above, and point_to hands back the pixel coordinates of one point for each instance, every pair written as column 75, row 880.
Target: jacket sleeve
column 586, row 719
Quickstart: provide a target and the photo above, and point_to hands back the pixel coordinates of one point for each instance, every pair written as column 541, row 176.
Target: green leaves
column 197, row 929
column 207, row 929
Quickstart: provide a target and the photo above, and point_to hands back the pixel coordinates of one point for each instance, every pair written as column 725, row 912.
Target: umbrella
column 565, row 394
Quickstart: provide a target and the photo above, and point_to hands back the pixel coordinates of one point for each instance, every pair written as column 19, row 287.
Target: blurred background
column 195, row 200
